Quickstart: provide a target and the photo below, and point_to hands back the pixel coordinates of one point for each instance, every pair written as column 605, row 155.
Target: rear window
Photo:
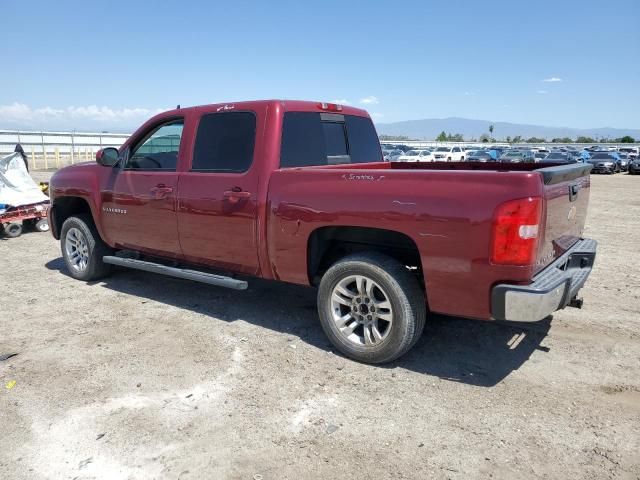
column 225, row 142
column 310, row 138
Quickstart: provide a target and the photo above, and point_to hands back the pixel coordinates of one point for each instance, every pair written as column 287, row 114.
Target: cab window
column 159, row 150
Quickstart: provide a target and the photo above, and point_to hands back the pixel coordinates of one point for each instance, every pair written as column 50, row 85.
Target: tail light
column 516, row 226
column 331, row 107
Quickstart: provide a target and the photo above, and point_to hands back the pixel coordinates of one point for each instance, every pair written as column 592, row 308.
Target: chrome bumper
column 552, row 289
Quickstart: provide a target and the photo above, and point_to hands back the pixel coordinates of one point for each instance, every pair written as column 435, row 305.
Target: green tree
column 442, row 137
column 582, row 139
column 627, row 139
column 484, row 138
column 536, row 140
column 508, row 139
column 491, row 128
column 562, row 140
column 517, row 139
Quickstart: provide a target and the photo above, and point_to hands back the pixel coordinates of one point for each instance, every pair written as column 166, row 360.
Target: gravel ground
column 141, row 376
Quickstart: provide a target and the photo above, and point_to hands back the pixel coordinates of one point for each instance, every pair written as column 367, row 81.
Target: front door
column 139, row 204
column 218, row 196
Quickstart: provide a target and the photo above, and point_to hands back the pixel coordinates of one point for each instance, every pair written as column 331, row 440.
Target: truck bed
column 445, row 208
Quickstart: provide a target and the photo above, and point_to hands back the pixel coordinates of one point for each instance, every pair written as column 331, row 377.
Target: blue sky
column 111, row 64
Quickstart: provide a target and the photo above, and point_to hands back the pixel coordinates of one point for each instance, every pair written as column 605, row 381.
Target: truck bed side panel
column 447, row 214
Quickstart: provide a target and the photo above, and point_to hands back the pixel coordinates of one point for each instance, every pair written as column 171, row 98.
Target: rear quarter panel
column 447, row 214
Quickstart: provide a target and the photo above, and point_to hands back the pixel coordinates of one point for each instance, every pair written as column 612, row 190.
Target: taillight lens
column 516, row 228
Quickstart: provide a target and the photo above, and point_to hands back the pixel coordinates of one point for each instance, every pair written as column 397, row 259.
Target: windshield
column 601, row 156
column 411, row 153
column 557, row 155
column 442, row 149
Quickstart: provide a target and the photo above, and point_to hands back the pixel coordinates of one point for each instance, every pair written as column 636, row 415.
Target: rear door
column 566, row 194
column 139, row 202
column 218, row 196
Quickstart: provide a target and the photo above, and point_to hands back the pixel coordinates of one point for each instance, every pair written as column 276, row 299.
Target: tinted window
column 313, row 139
column 334, row 139
column 225, row 142
column 364, row 145
column 159, row 151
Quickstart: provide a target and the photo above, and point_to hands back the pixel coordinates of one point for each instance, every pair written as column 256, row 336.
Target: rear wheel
column 83, row 249
column 371, row 307
column 13, row 230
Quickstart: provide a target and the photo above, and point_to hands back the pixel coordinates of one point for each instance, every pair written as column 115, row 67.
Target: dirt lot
column 143, row 377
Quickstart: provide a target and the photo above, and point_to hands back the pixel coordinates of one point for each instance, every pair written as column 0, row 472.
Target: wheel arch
column 327, row 245
column 65, row 207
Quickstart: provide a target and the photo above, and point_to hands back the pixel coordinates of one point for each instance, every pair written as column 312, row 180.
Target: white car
column 392, row 155
column 417, row 156
column 449, row 154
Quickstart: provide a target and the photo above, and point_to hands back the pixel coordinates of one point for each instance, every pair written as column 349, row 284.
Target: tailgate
column 566, row 194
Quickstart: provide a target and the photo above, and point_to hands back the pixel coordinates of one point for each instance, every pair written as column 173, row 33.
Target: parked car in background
column 539, row 155
column 417, row 156
column 623, row 162
column 584, row 155
column 392, row 155
column 449, row 154
column 480, row 156
column 634, row 166
column 517, row 156
column 631, row 151
column 560, row 157
column 496, row 152
column 603, row 163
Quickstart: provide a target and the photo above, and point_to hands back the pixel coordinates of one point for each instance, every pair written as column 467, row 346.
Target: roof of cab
column 287, row 105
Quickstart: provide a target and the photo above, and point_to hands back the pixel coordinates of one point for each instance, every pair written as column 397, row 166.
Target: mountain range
column 430, row 128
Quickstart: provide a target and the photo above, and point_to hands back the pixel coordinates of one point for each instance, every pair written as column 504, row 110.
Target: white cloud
column 552, row 79
column 341, row 101
column 370, row 100
column 19, row 115
column 542, row 92
column 468, row 94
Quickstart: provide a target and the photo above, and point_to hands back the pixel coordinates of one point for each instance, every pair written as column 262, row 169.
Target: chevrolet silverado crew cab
column 298, row 192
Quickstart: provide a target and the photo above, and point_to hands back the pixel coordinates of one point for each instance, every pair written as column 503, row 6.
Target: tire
column 386, row 282
column 42, row 225
column 79, row 234
column 13, row 230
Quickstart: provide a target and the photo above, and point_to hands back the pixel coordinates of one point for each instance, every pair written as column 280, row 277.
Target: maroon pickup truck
column 299, row 192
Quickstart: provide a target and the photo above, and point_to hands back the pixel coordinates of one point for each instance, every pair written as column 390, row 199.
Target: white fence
column 52, row 150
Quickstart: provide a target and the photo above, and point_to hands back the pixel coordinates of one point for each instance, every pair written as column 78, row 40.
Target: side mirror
column 107, row 157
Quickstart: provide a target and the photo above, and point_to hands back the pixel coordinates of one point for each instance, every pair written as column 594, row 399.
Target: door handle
column 235, row 195
column 160, row 191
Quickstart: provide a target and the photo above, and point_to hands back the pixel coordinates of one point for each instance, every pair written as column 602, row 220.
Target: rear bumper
column 551, row 290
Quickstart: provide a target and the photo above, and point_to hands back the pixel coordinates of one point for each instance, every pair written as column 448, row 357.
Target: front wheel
column 371, row 307
column 83, row 249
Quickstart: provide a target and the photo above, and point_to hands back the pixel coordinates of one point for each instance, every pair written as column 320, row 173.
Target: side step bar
column 194, row 275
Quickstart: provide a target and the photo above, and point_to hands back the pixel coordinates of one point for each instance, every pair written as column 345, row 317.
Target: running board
column 194, row 275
